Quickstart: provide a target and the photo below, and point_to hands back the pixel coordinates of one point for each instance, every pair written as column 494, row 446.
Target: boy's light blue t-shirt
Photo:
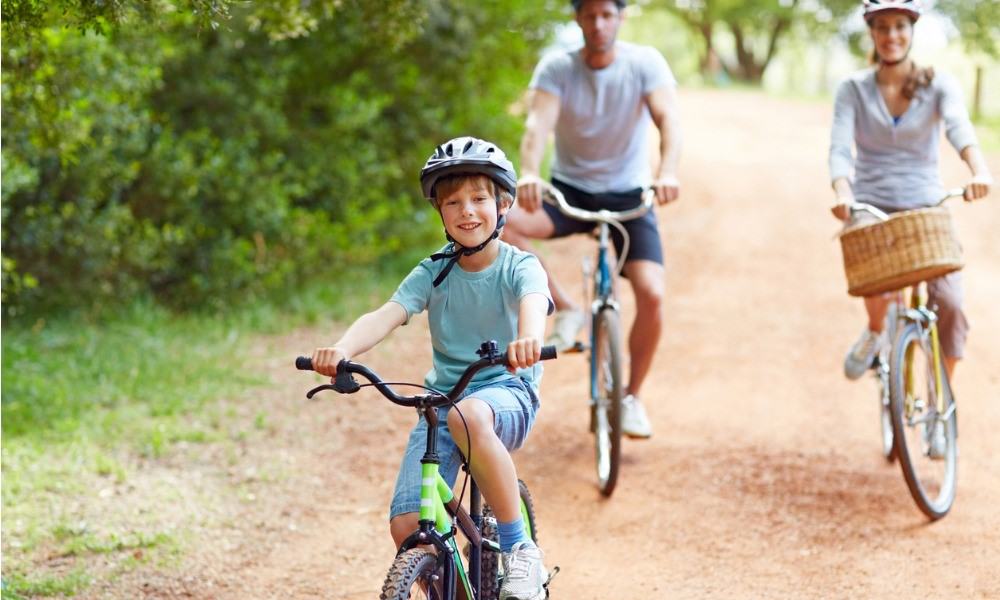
column 470, row 308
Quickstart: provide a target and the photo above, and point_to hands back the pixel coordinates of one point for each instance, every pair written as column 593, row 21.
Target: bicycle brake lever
column 318, row 389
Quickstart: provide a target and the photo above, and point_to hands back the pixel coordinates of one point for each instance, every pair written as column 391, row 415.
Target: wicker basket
column 912, row 246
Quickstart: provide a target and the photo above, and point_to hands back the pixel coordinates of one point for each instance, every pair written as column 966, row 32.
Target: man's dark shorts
column 644, row 236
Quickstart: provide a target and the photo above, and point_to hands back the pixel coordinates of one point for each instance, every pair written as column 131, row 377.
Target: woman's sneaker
column 862, row 354
column 635, row 423
column 524, row 574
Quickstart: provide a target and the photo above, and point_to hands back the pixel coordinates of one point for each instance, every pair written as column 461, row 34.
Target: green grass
column 87, row 403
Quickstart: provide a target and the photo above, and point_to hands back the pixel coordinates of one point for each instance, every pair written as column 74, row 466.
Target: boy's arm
column 361, row 336
column 526, row 350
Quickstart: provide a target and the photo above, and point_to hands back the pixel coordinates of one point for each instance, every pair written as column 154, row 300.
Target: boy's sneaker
column 524, row 574
column 635, row 423
column 862, row 354
column 567, row 326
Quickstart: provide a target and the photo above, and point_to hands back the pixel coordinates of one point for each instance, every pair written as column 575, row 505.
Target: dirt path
column 764, row 477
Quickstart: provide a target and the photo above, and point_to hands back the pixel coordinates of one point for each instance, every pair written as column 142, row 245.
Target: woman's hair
column 919, row 77
column 450, row 183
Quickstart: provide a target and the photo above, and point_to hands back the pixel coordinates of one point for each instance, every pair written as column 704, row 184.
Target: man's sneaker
column 568, row 324
column 635, row 423
column 937, row 445
column 524, row 574
column 862, row 354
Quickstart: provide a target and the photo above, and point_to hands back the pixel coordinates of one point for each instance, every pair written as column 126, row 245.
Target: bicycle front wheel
column 925, row 438
column 414, row 574
column 606, row 408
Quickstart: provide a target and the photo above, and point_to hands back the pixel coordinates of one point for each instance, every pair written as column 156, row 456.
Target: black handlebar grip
column 548, row 352
column 304, row 363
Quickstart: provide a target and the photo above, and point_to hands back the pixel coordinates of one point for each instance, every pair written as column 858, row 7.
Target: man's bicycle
column 428, row 564
column 918, row 416
column 607, row 387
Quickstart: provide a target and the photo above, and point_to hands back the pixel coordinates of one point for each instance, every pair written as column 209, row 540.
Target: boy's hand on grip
column 325, row 360
column 523, row 353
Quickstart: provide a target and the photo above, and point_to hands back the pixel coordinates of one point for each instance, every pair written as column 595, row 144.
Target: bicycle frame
column 603, row 298
column 926, row 320
column 441, row 516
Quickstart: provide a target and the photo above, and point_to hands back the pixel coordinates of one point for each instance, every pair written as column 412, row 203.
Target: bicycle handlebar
column 882, row 216
column 344, row 383
column 599, row 216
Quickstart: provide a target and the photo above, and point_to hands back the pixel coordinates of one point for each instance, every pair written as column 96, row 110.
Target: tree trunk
column 977, row 94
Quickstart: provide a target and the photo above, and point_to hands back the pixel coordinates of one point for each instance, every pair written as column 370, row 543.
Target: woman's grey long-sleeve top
column 897, row 162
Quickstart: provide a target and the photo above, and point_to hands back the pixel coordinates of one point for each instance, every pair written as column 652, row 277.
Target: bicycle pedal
column 552, row 575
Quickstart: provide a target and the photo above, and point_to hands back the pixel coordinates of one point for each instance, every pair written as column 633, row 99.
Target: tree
column 197, row 164
column 757, row 27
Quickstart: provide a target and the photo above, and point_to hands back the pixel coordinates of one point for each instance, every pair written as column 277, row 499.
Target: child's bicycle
column 436, row 573
column 606, row 358
column 919, row 421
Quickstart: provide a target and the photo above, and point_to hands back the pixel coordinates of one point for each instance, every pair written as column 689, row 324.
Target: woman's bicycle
column 428, row 564
column 918, row 416
column 606, row 359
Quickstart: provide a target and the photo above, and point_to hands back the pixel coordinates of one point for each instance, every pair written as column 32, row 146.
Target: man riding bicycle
column 599, row 101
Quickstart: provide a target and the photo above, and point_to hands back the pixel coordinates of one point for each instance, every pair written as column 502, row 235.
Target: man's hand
column 325, row 360
column 523, row 353
column 667, row 189
column 978, row 187
column 529, row 193
column 842, row 209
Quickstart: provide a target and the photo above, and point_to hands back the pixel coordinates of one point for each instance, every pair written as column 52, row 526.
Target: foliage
column 757, row 26
column 202, row 165
column 978, row 21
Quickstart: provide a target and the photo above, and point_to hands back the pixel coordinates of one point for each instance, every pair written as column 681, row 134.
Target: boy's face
column 470, row 213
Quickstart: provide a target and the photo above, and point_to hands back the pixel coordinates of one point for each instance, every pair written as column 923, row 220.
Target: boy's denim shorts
column 514, row 403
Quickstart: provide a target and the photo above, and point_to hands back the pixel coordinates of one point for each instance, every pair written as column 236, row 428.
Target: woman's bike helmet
column 910, row 7
column 467, row 156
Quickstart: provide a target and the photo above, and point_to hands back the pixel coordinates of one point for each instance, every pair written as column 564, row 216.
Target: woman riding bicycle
column 891, row 114
column 482, row 288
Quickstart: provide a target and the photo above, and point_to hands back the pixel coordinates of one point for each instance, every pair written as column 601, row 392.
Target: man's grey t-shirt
column 601, row 143
column 896, row 167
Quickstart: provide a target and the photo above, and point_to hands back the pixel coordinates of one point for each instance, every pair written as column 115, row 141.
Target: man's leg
column 647, row 279
column 521, row 228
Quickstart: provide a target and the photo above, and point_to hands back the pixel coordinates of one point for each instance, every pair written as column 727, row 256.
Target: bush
column 199, row 166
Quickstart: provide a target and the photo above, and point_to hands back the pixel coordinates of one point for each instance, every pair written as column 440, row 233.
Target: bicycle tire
column 607, row 410
column 407, row 571
column 489, row 584
column 910, row 454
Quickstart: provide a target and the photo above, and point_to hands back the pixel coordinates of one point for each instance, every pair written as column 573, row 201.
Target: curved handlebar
column 882, row 216
column 344, row 383
column 552, row 195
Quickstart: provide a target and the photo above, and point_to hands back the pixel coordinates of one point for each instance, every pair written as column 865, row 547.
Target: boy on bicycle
column 482, row 289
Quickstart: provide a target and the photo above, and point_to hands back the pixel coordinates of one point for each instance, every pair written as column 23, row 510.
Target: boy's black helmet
column 468, row 155
column 578, row 3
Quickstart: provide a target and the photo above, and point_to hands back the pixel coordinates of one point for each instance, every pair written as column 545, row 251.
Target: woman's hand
column 325, row 360
column 978, row 187
column 523, row 353
column 842, row 209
